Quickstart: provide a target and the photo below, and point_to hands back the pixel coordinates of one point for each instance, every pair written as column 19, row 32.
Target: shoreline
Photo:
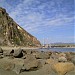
column 32, row 61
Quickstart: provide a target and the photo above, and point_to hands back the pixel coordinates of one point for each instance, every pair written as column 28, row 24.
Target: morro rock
column 11, row 34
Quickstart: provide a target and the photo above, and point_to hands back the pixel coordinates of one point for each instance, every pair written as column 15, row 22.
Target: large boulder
column 18, row 65
column 18, row 53
column 31, row 63
column 42, row 55
column 63, row 68
column 46, row 70
column 8, row 52
column 6, row 64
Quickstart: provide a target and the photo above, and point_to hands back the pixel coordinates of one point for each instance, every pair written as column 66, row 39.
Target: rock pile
column 22, row 60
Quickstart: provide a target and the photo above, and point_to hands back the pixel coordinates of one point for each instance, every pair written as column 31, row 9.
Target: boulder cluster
column 47, row 62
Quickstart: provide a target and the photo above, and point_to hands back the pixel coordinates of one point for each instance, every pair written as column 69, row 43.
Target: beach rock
column 73, row 59
column 1, row 54
column 1, row 51
column 17, row 69
column 42, row 62
column 68, row 56
column 54, row 56
column 71, row 72
column 18, row 53
column 63, row 68
column 42, row 55
column 48, row 52
column 31, row 63
column 46, row 70
column 62, row 54
column 6, row 64
column 28, row 51
column 51, row 61
column 62, row 59
column 30, row 57
column 18, row 65
column 8, row 52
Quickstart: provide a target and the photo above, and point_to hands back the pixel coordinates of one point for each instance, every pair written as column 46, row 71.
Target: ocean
column 59, row 49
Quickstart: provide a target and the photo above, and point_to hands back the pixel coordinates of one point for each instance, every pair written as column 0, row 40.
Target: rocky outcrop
column 12, row 34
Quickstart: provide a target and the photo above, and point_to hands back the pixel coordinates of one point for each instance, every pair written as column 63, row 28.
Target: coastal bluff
column 11, row 34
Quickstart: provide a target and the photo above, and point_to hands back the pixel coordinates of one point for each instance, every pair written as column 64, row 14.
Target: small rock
column 62, row 54
column 62, row 59
column 54, row 56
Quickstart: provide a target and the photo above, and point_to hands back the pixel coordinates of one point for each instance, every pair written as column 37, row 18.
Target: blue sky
column 52, row 20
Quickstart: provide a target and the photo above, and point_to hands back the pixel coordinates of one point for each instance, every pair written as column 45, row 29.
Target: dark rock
column 18, row 53
column 1, row 51
column 1, row 54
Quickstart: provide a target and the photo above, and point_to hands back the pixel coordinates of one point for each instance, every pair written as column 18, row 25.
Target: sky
column 49, row 20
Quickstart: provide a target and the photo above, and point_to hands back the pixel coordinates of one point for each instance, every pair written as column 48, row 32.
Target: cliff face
column 12, row 34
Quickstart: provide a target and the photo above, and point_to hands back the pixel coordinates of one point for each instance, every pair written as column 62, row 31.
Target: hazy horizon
column 52, row 20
